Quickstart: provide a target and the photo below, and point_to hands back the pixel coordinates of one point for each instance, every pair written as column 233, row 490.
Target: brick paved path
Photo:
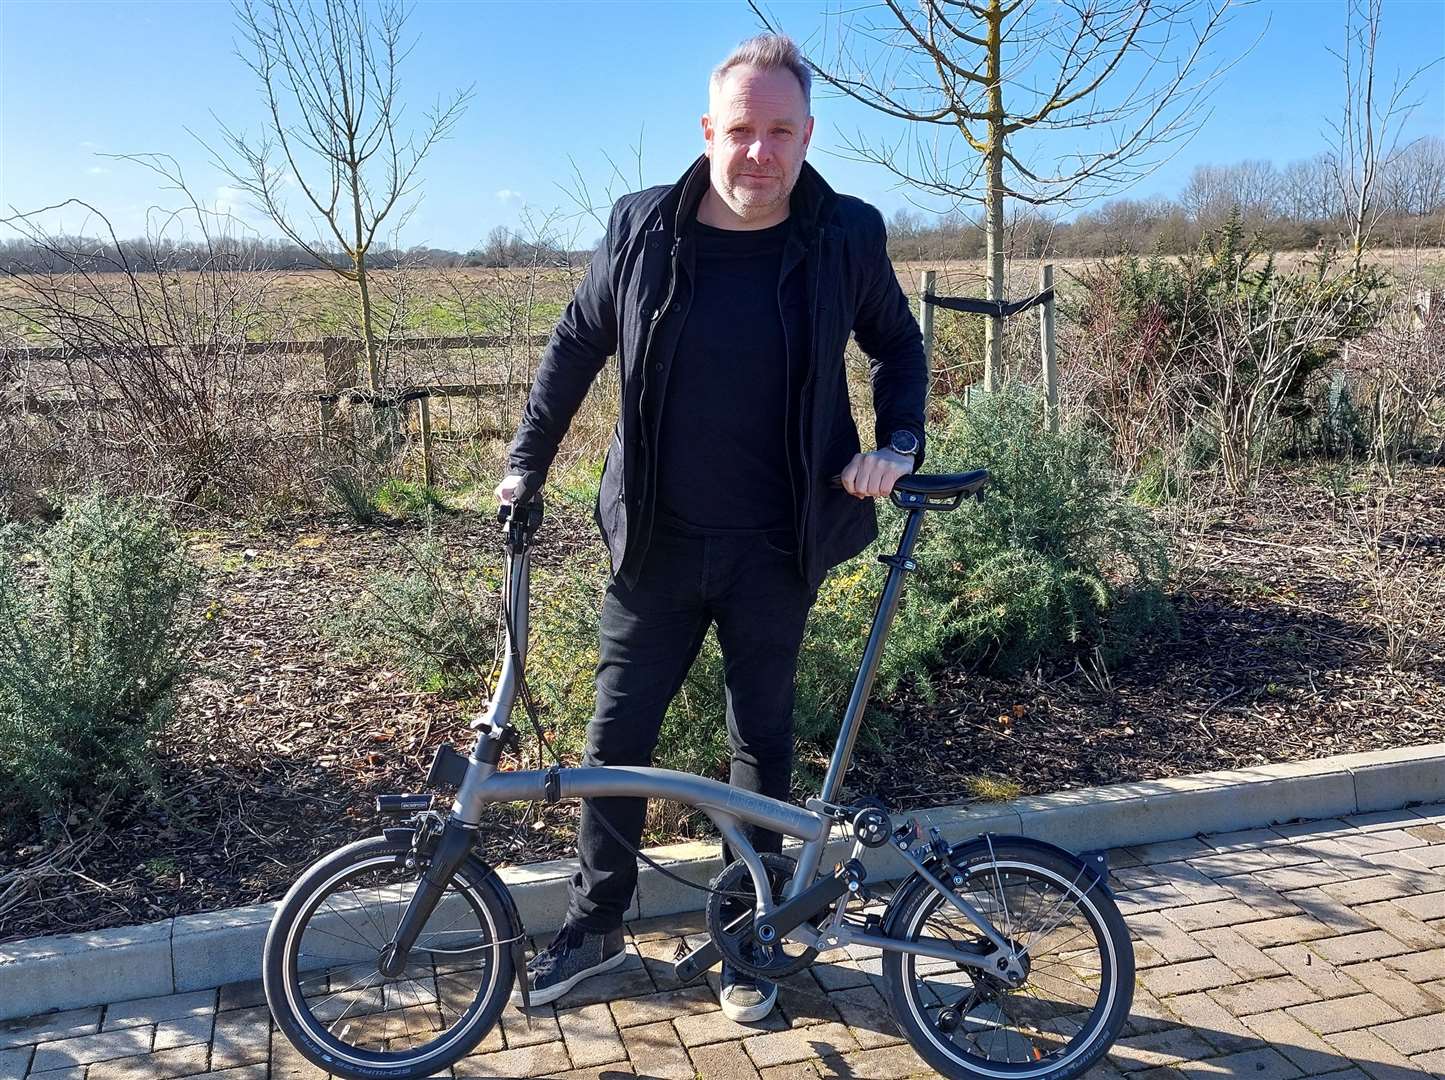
column 1277, row 953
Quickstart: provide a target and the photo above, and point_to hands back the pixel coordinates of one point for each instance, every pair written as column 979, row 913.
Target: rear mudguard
column 484, row 872
column 1092, row 863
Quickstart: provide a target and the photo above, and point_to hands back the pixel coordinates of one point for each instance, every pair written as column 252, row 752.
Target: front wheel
column 1080, row 962
column 320, row 965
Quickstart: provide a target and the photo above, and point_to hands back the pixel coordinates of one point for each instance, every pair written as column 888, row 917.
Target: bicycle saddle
column 943, row 485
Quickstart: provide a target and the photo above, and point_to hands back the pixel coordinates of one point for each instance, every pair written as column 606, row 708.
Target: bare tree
column 338, row 70
column 1368, row 132
column 983, row 81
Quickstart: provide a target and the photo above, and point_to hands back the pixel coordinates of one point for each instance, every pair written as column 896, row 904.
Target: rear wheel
column 324, row 985
column 1079, row 960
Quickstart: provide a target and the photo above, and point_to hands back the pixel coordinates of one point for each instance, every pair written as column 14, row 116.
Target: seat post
column 899, row 564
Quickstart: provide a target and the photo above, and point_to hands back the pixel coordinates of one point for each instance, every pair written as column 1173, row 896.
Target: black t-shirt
column 729, row 427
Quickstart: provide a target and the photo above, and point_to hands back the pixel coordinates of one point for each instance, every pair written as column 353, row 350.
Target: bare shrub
column 150, row 380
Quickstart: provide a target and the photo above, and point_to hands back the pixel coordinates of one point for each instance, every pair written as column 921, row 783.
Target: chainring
column 731, row 910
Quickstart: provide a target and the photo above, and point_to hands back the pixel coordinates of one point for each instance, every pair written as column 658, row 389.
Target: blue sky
column 553, row 80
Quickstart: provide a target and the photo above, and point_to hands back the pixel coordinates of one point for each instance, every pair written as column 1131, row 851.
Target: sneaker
column 745, row 999
column 574, row 954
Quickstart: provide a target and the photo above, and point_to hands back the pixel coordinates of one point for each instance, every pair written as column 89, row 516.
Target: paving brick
column 162, row 1065
column 798, row 1070
column 1148, row 1013
column 541, row 1060
column 652, row 1008
column 590, row 1035
column 76, row 1072
column 1261, row 1064
column 1321, row 906
column 49, row 1027
column 655, row 1050
column 1343, row 1014
column 799, row 1044
column 1416, row 1035
column 1165, row 938
column 804, row 1003
column 723, row 1061
column 288, row 1064
column 1285, row 879
column 535, row 1026
column 87, row 1048
column 183, row 1032
column 838, row 974
column 242, row 995
column 1237, row 953
column 1370, row 890
column 1242, row 861
column 1170, row 850
column 1401, row 924
column 258, row 1071
column 657, row 954
column 1388, row 985
column 1187, row 977
column 1166, row 1047
column 15, row 1061
column 866, row 1014
column 1426, row 907
column 1285, row 931
column 1229, row 912
column 668, row 926
column 155, row 1009
column 1309, row 1053
column 1376, row 1057
column 1322, row 977
column 1266, row 995
column 1214, row 1022
column 1432, row 1063
column 1420, row 967
column 241, row 1037
column 884, row 1063
column 1356, row 948
column 711, row 1027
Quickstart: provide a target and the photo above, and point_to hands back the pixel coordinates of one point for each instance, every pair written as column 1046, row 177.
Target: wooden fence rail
column 342, row 381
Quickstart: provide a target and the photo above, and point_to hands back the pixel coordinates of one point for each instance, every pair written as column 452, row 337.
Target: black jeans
column 650, row 635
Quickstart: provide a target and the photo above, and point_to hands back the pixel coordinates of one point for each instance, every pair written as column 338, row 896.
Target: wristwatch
column 904, row 441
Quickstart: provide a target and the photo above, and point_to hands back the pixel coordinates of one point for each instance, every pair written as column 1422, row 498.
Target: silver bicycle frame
column 727, row 806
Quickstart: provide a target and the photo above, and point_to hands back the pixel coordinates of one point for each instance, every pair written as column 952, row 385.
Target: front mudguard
column 1093, row 866
column 485, row 873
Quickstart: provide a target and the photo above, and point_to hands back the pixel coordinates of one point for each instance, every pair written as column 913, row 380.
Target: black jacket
column 633, row 302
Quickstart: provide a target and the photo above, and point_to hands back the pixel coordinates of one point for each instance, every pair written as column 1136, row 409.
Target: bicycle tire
column 991, row 870
column 474, row 888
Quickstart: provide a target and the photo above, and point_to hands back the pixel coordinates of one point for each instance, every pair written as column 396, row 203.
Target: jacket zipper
column 803, row 409
column 647, row 358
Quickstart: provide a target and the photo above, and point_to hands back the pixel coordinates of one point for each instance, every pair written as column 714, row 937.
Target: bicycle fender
column 485, row 872
column 979, row 845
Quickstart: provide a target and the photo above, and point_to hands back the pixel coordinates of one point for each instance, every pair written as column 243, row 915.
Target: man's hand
column 508, row 490
column 870, row 475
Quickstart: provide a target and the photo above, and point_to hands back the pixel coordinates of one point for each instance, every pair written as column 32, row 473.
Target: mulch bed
column 1294, row 642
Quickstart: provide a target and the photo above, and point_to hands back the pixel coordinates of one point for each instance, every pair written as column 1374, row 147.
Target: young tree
column 336, row 69
column 977, row 78
column 1368, row 133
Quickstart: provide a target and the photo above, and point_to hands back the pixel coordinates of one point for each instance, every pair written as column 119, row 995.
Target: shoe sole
column 747, row 1014
column 552, row 993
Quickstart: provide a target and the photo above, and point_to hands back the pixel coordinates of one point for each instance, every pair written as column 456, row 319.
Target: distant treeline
column 1290, row 209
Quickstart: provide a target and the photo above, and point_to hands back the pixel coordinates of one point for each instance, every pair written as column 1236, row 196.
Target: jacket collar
column 812, row 200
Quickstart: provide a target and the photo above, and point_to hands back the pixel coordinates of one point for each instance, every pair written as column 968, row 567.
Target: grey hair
column 767, row 52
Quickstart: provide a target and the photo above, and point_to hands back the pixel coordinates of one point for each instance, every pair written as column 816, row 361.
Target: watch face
column 904, row 442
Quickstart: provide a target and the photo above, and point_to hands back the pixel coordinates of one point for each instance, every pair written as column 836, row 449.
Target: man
column 728, row 297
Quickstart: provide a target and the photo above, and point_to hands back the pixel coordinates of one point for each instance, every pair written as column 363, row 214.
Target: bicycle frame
column 726, row 806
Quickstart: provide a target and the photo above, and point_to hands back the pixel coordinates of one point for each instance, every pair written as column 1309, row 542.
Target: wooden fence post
column 423, row 415
column 1046, row 345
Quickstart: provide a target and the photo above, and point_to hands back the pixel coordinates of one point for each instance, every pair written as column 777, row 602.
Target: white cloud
column 88, row 145
column 97, row 170
column 508, row 195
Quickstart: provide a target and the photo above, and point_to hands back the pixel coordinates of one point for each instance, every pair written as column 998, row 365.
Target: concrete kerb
column 194, row 952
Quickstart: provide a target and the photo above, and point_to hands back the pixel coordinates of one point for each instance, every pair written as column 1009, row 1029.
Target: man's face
column 756, row 132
